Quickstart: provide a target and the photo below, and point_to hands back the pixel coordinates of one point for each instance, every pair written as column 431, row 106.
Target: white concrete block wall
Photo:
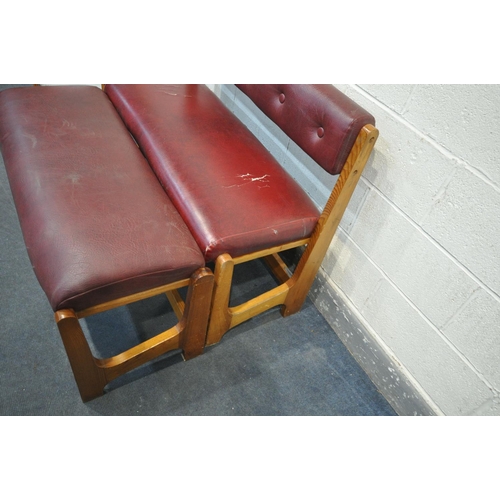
column 435, row 186
column 416, row 259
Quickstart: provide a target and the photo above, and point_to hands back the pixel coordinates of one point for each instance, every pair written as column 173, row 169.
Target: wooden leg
column 194, row 323
column 326, row 227
column 277, row 267
column 220, row 317
column 92, row 374
column 176, row 302
column 223, row 317
column 90, row 379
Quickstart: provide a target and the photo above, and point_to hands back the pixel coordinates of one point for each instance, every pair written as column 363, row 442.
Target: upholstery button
column 282, row 98
column 321, row 132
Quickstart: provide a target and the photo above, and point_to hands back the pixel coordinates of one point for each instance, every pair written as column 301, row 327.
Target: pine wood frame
column 292, row 291
column 93, row 374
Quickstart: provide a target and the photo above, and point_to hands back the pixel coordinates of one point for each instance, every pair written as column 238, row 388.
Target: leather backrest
column 320, row 119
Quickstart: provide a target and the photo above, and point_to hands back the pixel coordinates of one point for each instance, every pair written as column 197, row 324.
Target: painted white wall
column 417, row 257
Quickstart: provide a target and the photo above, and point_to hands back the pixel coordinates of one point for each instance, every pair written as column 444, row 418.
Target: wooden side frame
column 93, row 374
column 293, row 290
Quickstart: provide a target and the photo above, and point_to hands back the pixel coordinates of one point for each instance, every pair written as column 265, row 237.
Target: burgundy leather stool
column 99, row 229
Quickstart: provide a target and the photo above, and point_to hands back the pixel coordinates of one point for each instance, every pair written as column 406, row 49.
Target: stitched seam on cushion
column 214, row 243
column 115, row 283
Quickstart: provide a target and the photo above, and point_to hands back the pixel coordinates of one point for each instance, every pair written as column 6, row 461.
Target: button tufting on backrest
column 310, row 111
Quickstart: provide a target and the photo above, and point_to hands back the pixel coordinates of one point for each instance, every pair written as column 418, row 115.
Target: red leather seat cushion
column 233, row 195
column 96, row 222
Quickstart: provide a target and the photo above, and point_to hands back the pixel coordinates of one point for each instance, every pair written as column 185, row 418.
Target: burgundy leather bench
column 237, row 201
column 99, row 229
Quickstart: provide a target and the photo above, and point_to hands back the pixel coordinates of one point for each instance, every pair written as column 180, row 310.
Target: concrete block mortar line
column 406, row 105
column 471, row 275
column 443, row 150
column 461, row 308
column 421, row 314
column 442, row 190
column 379, row 342
column 360, row 206
column 439, row 195
column 495, row 390
column 482, row 409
